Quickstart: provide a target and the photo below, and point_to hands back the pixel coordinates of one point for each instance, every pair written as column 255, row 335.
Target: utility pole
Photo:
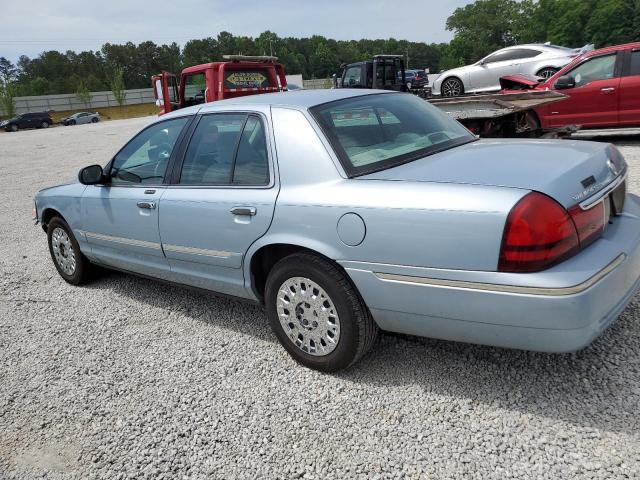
column 407, row 67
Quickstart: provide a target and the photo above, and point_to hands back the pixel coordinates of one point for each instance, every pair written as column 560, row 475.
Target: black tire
column 452, row 87
column 83, row 268
column 357, row 328
column 44, row 125
column 14, row 128
column 95, row 120
column 71, row 122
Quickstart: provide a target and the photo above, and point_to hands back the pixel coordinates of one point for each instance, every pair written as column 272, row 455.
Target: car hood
column 557, row 168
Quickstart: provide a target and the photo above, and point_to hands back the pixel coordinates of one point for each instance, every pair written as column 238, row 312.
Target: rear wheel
column 65, row 252
column 547, row 72
column 452, row 87
column 94, row 120
column 44, row 125
column 317, row 314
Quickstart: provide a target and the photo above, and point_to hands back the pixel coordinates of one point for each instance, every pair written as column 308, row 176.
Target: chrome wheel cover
column 63, row 251
column 451, row 88
column 308, row 316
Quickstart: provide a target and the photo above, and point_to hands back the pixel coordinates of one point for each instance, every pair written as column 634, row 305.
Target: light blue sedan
column 345, row 212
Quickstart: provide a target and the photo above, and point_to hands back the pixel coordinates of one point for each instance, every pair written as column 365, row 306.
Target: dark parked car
column 27, row 120
column 415, row 78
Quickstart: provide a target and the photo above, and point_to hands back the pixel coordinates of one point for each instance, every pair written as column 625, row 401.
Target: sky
column 30, row 27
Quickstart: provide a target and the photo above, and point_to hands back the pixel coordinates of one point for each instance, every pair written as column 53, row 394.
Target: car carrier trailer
column 487, row 115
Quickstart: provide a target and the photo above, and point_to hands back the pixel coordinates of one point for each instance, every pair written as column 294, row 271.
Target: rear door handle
column 147, row 205
column 608, row 89
column 248, row 211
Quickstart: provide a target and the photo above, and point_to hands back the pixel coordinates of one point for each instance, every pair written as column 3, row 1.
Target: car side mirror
column 565, row 81
column 91, row 175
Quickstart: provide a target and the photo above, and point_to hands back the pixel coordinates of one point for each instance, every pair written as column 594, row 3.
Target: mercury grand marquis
column 344, row 212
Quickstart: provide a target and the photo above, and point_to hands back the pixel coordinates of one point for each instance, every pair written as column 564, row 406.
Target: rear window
column 374, row 132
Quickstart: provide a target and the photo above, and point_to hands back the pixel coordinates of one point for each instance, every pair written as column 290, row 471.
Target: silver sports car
column 347, row 211
column 543, row 60
column 81, row 117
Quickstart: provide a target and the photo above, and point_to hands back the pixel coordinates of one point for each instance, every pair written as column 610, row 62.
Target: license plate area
column 617, row 198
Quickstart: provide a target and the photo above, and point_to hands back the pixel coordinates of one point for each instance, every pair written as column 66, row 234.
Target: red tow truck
column 237, row 76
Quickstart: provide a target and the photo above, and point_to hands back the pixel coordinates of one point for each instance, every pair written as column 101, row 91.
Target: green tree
column 8, row 91
column 8, row 99
column 118, row 86
column 83, row 94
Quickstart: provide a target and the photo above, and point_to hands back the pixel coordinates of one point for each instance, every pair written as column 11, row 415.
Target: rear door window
column 227, row 149
column 209, row 157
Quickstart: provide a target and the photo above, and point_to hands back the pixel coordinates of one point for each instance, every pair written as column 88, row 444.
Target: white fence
column 70, row 101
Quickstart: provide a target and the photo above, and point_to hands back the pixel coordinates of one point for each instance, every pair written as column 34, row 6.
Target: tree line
column 479, row 28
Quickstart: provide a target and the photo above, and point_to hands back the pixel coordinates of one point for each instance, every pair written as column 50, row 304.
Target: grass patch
column 113, row 113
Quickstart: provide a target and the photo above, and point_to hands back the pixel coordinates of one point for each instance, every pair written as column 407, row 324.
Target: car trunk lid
column 568, row 171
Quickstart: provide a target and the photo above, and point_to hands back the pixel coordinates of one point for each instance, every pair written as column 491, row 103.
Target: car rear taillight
column 538, row 233
column 589, row 223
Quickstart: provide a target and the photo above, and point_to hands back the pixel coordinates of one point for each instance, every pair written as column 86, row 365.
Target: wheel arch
column 47, row 214
column 263, row 257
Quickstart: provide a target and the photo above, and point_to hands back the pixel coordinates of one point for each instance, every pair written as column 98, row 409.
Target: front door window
column 144, row 159
column 599, row 68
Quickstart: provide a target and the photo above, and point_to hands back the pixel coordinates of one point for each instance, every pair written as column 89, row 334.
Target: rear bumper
column 562, row 309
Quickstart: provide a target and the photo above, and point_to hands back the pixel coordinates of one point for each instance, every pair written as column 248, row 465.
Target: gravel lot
column 128, row 378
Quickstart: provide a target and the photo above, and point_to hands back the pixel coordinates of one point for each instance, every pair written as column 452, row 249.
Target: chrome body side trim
column 125, row 241
column 196, row 251
column 492, row 287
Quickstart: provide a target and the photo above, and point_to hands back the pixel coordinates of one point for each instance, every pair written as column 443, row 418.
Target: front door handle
column 147, row 205
column 608, row 89
column 248, row 211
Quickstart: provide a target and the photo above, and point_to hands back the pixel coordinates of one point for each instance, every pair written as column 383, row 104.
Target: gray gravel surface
column 129, row 378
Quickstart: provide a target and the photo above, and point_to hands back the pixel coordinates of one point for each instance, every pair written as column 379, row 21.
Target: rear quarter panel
column 440, row 225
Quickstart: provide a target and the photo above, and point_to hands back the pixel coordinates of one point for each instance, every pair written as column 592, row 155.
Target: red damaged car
column 603, row 87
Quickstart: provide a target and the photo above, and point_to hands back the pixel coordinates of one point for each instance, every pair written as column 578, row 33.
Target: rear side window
column 227, row 149
column 251, row 165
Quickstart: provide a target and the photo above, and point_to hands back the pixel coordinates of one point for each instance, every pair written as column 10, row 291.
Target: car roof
column 614, row 48
column 298, row 99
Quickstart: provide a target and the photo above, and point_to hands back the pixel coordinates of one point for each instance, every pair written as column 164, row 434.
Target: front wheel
column 452, row 87
column 317, row 314
column 14, row 128
column 65, row 252
column 72, row 122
